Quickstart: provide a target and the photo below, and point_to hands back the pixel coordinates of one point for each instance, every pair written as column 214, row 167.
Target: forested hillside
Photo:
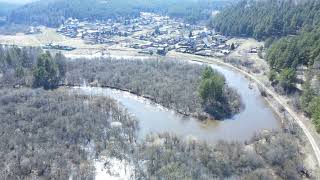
column 5, row 8
column 54, row 12
column 292, row 33
column 192, row 11
column 289, row 52
column 286, row 56
column 262, row 19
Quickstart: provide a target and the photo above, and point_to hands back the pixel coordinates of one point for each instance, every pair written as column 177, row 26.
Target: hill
column 54, row 12
column 17, row 1
column 262, row 19
column 5, row 8
column 291, row 29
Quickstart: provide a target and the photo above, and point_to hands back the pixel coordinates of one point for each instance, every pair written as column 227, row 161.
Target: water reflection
column 153, row 118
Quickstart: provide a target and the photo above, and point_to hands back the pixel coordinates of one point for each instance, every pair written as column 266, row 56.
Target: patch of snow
column 116, row 169
column 116, row 124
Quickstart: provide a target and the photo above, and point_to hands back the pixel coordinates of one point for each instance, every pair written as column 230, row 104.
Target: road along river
column 269, row 91
column 153, row 118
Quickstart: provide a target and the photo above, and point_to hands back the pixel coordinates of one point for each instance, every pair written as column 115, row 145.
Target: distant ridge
column 18, row 2
column 54, row 12
column 264, row 18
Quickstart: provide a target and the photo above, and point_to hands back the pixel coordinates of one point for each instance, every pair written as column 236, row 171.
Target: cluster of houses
column 196, row 41
column 150, row 33
column 169, row 34
column 101, row 32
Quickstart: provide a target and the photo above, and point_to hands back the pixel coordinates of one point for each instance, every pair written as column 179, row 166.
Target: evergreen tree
column 190, row 34
column 307, row 95
column 211, row 91
column 46, row 73
column 314, row 109
column 263, row 19
column 287, row 80
column 232, row 47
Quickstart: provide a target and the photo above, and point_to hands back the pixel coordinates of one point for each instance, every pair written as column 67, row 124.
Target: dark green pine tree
column 46, row 73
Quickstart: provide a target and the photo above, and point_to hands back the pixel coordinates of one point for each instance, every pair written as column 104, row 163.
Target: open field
column 49, row 35
column 242, row 54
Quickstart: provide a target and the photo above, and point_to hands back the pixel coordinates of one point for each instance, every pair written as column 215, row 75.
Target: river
column 153, row 118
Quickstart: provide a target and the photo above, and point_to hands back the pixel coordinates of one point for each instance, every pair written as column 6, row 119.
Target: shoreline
column 199, row 117
column 298, row 118
column 269, row 92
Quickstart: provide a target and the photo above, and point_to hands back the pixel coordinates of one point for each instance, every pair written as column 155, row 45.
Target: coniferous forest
column 55, row 12
column 291, row 30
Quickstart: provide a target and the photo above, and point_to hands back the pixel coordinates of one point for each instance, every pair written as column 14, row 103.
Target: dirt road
column 49, row 35
column 269, row 91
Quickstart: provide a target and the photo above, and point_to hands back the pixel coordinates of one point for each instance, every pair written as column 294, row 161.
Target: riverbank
column 154, row 118
column 173, row 84
column 260, row 80
column 83, row 117
column 43, row 133
column 287, row 142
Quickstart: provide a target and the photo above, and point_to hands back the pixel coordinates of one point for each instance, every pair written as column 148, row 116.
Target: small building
column 204, row 53
column 225, row 51
column 162, row 51
column 253, row 50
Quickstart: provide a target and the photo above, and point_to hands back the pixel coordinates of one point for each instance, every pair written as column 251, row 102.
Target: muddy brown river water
column 153, row 118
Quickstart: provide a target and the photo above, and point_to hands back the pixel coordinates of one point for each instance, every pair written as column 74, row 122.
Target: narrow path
column 207, row 60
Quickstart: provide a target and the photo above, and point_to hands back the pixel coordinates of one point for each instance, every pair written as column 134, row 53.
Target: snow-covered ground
column 117, row 170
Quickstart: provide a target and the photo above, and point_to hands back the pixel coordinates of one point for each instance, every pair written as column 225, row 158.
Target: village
column 149, row 34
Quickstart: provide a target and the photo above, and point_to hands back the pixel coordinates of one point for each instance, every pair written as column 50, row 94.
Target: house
column 206, row 42
column 163, row 30
column 162, row 51
column 145, row 51
column 225, row 51
column 181, row 49
column 253, row 50
column 222, row 46
column 204, row 53
column 220, row 38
